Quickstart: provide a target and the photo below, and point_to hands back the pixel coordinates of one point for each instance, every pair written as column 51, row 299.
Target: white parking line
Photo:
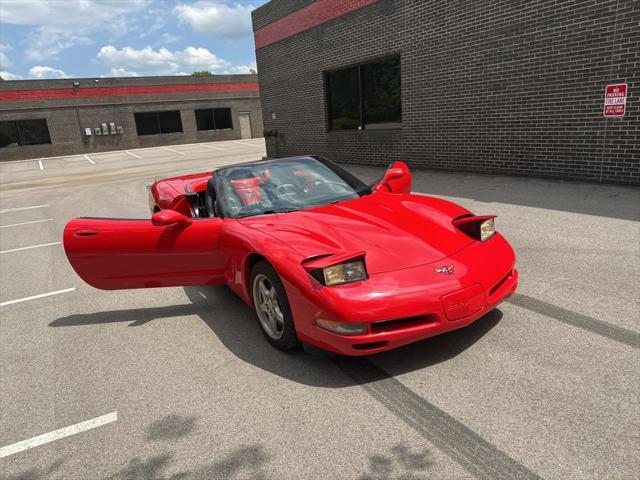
column 172, row 150
column 26, row 223
column 18, row 209
column 209, row 146
column 132, row 150
column 132, row 154
column 245, row 143
column 42, row 158
column 58, row 434
column 30, row 247
column 35, row 297
column 87, row 157
column 40, row 165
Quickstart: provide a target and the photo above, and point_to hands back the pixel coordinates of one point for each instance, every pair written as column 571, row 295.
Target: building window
column 366, row 96
column 213, row 119
column 15, row 133
column 153, row 123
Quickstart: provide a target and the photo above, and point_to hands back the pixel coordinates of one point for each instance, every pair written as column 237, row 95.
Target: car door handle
column 85, row 232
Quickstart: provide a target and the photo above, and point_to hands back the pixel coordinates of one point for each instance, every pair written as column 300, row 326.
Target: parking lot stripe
column 40, row 165
column 593, row 325
column 209, row 146
column 26, row 223
column 18, row 209
column 172, row 150
column 35, row 297
column 246, row 143
column 30, row 247
column 132, row 154
column 58, row 434
column 41, row 158
column 87, row 157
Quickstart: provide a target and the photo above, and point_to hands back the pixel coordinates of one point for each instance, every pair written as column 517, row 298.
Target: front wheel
column 272, row 307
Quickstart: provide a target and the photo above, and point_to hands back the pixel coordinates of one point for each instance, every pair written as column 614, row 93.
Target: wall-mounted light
column 76, row 84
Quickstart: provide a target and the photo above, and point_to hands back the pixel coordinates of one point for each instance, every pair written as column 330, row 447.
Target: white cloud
column 40, row 72
column 46, row 43
column 237, row 69
column 216, row 18
column 153, row 21
column 60, row 25
column 9, row 76
column 5, row 63
column 167, row 38
column 122, row 72
column 67, row 14
column 161, row 61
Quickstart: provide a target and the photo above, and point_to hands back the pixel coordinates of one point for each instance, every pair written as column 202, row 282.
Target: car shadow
column 236, row 327
column 234, row 324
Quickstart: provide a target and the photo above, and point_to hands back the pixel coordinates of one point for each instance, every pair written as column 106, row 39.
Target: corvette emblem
column 445, row 269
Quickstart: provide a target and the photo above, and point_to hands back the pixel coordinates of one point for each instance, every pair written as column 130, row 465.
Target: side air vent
column 500, row 283
column 403, row 323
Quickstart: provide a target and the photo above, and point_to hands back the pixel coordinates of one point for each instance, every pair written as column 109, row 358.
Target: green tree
column 202, row 73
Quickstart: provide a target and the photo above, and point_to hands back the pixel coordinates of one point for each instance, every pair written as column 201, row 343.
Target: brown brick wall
column 504, row 87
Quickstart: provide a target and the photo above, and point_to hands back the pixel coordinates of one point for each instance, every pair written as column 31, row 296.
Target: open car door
column 168, row 250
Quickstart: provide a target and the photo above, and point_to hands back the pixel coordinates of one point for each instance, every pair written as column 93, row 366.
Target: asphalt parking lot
column 179, row 383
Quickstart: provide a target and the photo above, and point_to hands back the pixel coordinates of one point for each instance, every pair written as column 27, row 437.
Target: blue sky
column 92, row 38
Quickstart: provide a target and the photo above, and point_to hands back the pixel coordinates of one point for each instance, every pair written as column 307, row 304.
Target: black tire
column 288, row 339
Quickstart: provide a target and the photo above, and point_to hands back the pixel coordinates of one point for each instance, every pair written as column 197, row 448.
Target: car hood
column 395, row 231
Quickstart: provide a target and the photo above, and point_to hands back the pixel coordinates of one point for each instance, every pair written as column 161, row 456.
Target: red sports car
column 321, row 257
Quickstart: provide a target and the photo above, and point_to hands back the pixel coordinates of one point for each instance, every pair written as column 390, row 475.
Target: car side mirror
column 392, row 174
column 169, row 217
column 397, row 179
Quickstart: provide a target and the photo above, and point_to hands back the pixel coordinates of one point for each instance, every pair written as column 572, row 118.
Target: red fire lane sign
column 615, row 100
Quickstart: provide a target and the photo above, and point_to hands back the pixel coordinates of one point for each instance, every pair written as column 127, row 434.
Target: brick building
column 44, row 118
column 504, row 87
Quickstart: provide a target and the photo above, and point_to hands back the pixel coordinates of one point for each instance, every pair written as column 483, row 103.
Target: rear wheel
column 272, row 307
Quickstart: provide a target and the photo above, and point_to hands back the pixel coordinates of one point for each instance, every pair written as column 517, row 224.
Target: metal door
column 245, row 125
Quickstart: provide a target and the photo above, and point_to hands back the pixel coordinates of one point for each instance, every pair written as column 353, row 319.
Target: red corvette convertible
column 320, row 256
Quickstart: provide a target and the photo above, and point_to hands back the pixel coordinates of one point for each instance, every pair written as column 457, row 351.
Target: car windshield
column 281, row 186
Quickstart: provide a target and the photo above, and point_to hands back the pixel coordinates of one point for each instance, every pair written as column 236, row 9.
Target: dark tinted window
column 365, row 96
column 204, row 120
column 381, row 92
column 153, row 123
column 147, row 123
column 222, row 118
column 344, row 99
column 170, row 122
column 24, row 132
column 9, row 134
column 213, row 119
column 34, row 132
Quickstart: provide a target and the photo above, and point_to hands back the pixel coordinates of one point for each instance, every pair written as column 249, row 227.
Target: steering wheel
column 286, row 191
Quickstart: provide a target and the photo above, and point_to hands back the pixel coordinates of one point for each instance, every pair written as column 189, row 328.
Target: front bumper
column 405, row 306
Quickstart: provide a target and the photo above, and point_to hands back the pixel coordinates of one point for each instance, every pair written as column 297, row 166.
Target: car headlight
column 343, row 328
column 487, row 229
column 479, row 227
column 344, row 273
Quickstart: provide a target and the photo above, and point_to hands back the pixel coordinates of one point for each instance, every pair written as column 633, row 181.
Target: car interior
column 247, row 190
